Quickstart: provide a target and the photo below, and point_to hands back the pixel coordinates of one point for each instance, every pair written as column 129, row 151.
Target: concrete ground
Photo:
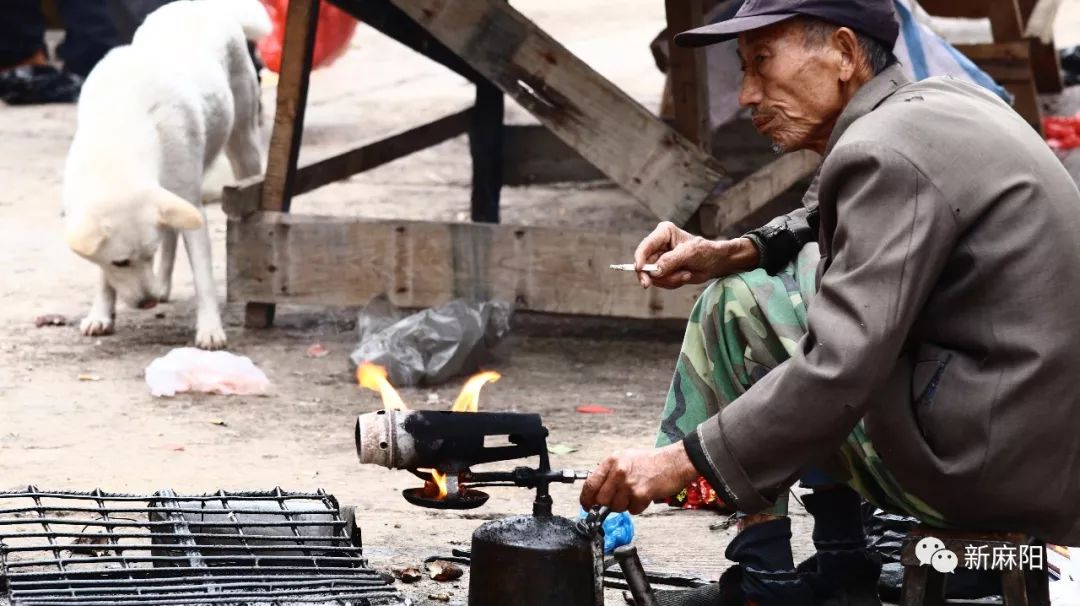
column 57, row 431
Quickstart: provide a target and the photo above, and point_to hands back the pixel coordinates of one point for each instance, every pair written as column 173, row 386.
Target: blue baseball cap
column 873, row 18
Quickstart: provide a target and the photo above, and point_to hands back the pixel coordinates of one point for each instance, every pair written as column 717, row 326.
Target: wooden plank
column 303, row 259
column 392, row 22
column 485, row 148
column 1005, row 21
column 301, row 21
column 1046, row 63
column 687, row 74
column 300, row 24
column 922, row 586
column 659, row 167
column 243, row 198
column 1014, row 588
column 756, row 190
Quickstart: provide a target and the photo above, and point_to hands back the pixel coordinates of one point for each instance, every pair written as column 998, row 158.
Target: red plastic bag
column 335, row 29
column 1062, row 132
column 699, row 495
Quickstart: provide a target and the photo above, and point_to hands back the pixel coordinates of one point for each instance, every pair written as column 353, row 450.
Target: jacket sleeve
column 893, row 234
column 779, row 241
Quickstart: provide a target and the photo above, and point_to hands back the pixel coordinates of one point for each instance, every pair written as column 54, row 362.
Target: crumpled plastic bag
column 885, row 534
column 434, row 345
column 618, row 530
column 217, row 372
column 332, row 35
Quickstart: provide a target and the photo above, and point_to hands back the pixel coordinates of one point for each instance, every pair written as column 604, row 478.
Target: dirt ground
column 62, row 433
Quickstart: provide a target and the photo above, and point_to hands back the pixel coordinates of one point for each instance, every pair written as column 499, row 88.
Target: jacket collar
column 867, row 99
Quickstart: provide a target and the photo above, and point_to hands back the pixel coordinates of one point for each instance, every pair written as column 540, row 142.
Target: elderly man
column 926, row 357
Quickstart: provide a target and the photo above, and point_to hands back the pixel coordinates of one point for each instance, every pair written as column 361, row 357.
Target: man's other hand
column 634, row 479
column 684, row 258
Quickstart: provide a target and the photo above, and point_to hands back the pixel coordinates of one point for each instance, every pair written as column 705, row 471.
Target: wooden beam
column 243, row 198
column 392, row 22
column 687, row 74
column 301, row 21
column 662, row 169
column 756, row 190
column 485, row 148
column 310, row 260
column 1045, row 61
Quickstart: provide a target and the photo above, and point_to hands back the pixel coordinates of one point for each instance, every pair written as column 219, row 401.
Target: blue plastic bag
column 618, row 530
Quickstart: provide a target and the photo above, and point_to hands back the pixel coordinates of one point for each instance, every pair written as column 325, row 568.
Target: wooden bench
column 1020, row 585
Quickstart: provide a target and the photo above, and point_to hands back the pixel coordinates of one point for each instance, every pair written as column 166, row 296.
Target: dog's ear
column 176, row 212
column 85, row 237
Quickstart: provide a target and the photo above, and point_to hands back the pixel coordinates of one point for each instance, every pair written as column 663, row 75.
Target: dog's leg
column 244, row 153
column 166, row 262
column 209, row 333
column 102, row 312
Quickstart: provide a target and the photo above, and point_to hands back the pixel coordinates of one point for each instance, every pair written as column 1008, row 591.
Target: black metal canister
column 537, row 560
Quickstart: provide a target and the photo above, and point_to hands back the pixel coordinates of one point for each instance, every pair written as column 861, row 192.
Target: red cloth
column 332, row 37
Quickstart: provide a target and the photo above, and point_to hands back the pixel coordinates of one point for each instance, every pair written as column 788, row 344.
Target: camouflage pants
column 742, row 327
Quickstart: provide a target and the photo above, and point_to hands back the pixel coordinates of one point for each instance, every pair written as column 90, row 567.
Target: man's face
column 794, row 89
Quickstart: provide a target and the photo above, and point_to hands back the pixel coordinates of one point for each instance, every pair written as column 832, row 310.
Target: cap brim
column 727, row 30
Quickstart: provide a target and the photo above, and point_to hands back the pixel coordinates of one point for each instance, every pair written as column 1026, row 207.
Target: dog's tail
column 252, row 17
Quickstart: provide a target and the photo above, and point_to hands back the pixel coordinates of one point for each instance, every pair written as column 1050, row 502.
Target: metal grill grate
column 97, row 549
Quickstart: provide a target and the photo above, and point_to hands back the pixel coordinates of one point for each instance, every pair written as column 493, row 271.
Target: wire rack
column 243, row 548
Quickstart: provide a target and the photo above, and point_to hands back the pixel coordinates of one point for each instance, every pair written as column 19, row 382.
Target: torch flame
column 373, row 377
column 440, row 483
column 468, row 399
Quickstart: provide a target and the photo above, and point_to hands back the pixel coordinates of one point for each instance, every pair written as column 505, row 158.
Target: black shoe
column 765, row 574
column 843, row 572
column 766, row 571
column 34, row 84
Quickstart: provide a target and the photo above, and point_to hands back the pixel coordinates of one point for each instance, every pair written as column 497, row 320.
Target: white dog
column 152, row 117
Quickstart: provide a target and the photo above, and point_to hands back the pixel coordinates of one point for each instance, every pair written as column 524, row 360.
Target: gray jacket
column 947, row 319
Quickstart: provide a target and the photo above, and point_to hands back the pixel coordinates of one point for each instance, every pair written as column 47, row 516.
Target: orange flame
column 373, row 377
column 440, row 483
column 468, row 399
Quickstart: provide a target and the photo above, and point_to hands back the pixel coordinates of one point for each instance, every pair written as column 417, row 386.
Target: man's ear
column 175, row 212
column 85, row 237
column 846, row 44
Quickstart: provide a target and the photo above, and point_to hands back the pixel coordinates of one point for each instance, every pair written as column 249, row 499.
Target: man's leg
column 22, row 32
column 89, row 34
column 742, row 327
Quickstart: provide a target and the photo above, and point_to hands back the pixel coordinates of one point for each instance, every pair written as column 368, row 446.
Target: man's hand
column 633, row 479
column 688, row 259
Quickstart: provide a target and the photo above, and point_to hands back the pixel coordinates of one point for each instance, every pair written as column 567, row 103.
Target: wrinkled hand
column 632, row 480
column 684, row 258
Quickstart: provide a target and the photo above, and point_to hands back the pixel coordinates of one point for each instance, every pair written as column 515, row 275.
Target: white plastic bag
column 219, row 372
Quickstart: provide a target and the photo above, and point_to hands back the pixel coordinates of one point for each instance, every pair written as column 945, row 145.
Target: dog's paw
column 210, row 337
column 94, row 325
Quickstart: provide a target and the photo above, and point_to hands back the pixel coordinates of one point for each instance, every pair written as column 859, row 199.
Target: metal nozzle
column 382, row 440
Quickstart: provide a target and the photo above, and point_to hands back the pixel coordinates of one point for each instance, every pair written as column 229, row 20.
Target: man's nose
column 750, row 91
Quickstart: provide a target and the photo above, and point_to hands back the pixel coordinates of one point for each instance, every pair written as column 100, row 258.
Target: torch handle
column 635, row 577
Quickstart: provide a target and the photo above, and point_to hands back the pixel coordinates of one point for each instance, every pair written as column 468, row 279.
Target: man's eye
column 122, row 263
column 759, row 59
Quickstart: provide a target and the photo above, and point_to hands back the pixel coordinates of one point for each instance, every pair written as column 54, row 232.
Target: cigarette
column 648, row 267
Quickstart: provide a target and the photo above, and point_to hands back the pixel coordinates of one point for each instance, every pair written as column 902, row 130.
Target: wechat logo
column 931, row 552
